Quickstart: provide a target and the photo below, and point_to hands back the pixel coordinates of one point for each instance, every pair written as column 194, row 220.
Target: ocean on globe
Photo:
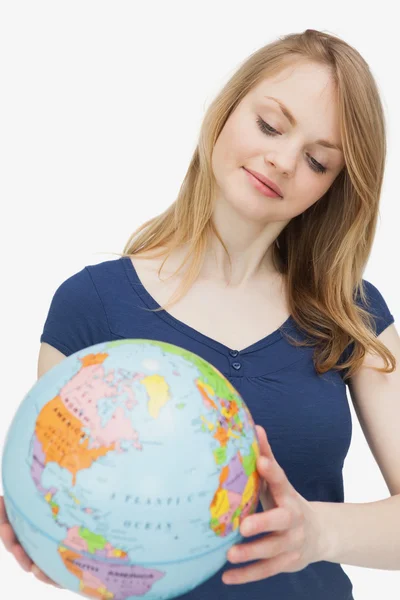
column 128, row 468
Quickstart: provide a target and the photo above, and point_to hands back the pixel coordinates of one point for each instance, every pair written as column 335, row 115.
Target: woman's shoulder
column 77, row 317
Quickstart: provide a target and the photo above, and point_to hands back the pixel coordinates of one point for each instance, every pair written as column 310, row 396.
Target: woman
column 268, row 288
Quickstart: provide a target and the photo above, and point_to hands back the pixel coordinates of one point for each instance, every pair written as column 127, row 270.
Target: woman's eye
column 265, row 128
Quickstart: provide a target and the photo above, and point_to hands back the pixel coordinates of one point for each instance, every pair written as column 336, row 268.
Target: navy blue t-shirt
column 306, row 415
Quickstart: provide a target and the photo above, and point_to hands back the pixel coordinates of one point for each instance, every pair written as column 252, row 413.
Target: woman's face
column 290, row 157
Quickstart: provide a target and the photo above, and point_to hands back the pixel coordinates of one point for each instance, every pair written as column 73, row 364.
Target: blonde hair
column 322, row 252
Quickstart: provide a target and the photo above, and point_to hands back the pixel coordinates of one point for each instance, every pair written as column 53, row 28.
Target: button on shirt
column 306, row 415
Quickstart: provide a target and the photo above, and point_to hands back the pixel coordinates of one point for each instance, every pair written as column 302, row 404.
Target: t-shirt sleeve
column 377, row 306
column 76, row 318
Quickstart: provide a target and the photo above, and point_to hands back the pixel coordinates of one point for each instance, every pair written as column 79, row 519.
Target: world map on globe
column 127, row 461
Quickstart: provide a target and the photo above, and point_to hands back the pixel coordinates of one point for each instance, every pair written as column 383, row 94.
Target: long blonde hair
column 321, row 252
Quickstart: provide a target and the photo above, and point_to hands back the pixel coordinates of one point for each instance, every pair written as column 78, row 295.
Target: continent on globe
column 236, row 495
column 60, row 432
column 239, row 483
column 85, row 555
column 109, row 580
column 59, row 438
column 157, row 389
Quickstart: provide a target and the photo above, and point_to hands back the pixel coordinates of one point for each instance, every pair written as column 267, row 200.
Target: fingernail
column 26, row 565
column 265, row 462
column 246, row 528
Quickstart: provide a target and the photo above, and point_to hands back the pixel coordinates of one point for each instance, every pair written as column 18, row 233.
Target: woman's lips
column 266, row 181
column 261, row 187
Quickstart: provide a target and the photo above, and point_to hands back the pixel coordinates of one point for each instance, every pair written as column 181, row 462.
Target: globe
column 128, row 468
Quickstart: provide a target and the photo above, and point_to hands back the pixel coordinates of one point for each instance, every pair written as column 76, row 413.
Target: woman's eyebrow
column 293, row 122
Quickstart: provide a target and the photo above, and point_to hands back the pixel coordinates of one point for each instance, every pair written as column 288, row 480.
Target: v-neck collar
column 151, row 303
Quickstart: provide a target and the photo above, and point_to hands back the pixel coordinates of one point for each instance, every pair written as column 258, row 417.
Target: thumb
column 265, row 449
column 266, row 498
column 3, row 514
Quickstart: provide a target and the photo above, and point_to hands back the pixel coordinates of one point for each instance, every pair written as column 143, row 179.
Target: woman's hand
column 11, row 544
column 296, row 533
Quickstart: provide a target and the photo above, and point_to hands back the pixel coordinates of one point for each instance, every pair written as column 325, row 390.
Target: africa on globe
column 128, row 468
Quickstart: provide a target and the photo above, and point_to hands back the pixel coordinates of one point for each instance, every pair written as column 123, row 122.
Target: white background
column 100, row 109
